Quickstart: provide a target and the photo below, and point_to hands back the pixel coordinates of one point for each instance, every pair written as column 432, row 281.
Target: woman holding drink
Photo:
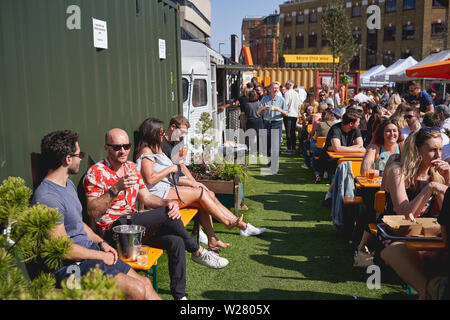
column 156, row 169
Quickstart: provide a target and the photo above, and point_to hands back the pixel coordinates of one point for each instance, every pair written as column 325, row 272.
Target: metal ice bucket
column 128, row 239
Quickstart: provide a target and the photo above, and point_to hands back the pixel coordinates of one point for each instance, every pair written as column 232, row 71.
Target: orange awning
column 437, row 70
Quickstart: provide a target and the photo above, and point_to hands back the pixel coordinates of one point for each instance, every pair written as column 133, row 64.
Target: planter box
column 229, row 193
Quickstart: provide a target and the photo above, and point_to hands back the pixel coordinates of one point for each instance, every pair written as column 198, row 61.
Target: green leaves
column 14, row 197
column 54, row 250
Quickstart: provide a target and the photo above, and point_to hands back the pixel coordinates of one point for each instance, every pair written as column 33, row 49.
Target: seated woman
column 415, row 185
column 387, row 141
column 321, row 130
column 313, row 119
column 156, row 168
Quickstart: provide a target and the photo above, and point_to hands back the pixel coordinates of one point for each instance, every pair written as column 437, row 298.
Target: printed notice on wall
column 162, row 49
column 100, row 34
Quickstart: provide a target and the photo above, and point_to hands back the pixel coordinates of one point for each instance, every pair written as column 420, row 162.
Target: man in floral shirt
column 112, row 187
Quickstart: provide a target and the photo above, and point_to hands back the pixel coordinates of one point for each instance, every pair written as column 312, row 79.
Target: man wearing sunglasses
column 412, row 119
column 61, row 153
column 112, row 188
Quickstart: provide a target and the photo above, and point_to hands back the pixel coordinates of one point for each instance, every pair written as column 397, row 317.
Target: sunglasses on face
column 79, row 155
column 408, row 116
column 117, row 147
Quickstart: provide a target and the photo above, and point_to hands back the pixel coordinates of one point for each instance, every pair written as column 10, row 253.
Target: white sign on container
column 100, row 32
column 162, row 49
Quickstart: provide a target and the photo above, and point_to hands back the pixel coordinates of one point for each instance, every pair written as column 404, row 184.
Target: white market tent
column 364, row 79
column 398, row 66
column 399, row 74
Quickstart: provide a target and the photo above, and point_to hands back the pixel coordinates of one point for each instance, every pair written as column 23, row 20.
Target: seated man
column 61, row 152
column 112, row 187
column 342, row 137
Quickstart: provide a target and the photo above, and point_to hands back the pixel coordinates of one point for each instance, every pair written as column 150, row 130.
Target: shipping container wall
column 301, row 76
column 52, row 77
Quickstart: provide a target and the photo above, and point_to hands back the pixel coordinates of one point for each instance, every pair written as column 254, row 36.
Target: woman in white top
column 156, row 169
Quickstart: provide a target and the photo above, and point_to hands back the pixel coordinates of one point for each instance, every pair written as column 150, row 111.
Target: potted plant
column 222, row 177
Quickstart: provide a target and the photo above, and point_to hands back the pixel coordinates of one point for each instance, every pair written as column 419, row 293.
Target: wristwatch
column 112, row 192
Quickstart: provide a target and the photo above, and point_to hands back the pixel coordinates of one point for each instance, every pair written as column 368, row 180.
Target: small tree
column 25, row 237
column 338, row 31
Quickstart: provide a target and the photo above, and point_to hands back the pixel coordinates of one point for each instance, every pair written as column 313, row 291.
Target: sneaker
column 317, row 178
column 325, row 175
column 304, row 166
column 203, row 238
column 251, row 231
column 210, row 260
column 363, row 258
column 287, row 151
column 184, row 298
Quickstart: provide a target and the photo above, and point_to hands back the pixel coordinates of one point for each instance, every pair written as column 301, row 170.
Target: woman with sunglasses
column 416, row 185
column 387, row 141
column 156, row 169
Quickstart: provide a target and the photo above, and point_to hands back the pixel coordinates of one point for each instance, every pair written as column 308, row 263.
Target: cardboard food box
column 430, row 227
column 401, row 227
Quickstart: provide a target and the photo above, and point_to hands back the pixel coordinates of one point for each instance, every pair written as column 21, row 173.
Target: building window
column 287, row 20
column 357, row 11
column 391, row 6
column 409, row 4
column 325, row 41
column 388, row 59
column 439, row 3
column 437, row 29
column 299, row 42
column 269, row 32
column 408, row 32
column 406, row 54
column 287, row 43
column 300, row 19
column 389, row 33
column 313, row 17
column 357, row 36
column 269, row 47
column 312, row 41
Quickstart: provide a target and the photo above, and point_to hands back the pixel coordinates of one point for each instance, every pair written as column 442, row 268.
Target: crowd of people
column 404, row 138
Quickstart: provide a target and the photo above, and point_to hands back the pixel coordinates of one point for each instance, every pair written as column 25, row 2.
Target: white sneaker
column 304, row 166
column 203, row 238
column 209, row 259
column 184, row 298
column 251, row 231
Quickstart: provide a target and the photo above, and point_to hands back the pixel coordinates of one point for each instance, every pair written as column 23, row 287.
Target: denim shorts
column 82, row 268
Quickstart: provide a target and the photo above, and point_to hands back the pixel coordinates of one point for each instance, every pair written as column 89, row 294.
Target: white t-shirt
column 361, row 98
column 292, row 100
column 406, row 131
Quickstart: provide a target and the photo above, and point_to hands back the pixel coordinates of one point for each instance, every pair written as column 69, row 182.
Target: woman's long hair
column 411, row 159
column 148, row 135
column 378, row 136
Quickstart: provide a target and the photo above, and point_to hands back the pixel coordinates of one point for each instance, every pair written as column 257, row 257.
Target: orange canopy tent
column 437, row 70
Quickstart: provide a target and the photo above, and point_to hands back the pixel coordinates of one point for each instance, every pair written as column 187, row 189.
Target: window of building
column 299, row 42
column 312, row 41
column 287, row 43
column 437, row 29
column 389, row 33
column 408, row 32
column 357, row 36
column 391, row 6
column 325, row 42
column 357, row 11
column 269, row 32
column 312, row 17
column 388, row 59
column 287, row 20
column 269, row 47
column 409, row 4
column 406, row 54
column 300, row 19
column 199, row 96
column 439, row 3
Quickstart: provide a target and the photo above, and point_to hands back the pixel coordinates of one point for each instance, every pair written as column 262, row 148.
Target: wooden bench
column 150, row 268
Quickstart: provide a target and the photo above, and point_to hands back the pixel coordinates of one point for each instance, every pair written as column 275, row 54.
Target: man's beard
column 73, row 171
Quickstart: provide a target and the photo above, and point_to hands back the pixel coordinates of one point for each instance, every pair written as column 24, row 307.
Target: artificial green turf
column 300, row 256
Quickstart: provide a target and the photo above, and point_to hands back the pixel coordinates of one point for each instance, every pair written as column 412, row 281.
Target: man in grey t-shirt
column 61, row 153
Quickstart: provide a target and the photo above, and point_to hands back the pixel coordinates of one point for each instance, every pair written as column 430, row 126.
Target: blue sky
column 227, row 18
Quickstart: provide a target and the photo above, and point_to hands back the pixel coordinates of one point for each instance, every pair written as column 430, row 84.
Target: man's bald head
column 116, row 136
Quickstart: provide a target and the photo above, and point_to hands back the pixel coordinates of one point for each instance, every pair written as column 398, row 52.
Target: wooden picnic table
column 365, row 183
column 338, row 155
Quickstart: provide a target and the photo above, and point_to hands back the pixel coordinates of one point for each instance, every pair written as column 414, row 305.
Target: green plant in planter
column 229, row 170
column 25, row 237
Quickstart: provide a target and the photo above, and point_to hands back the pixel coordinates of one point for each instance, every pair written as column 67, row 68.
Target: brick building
column 407, row 27
column 263, row 41
column 247, row 25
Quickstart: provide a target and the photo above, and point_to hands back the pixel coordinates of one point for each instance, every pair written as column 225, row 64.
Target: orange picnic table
column 339, row 155
column 365, row 183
